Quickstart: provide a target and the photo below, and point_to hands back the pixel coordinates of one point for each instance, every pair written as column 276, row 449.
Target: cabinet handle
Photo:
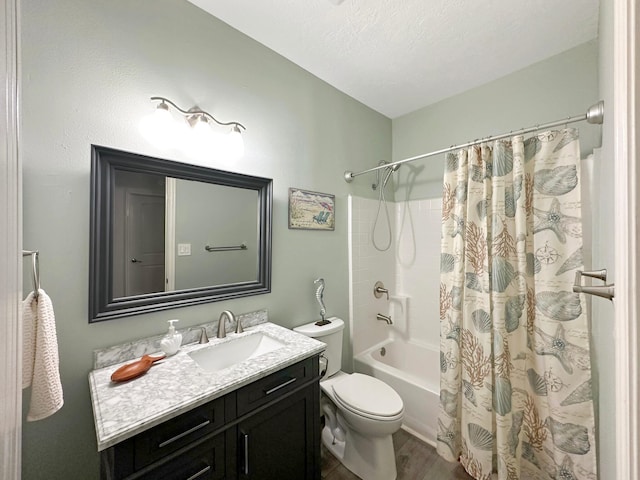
column 186, row 432
column 245, row 438
column 201, row 472
column 282, row 385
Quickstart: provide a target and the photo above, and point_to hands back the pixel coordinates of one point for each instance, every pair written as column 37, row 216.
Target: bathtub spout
column 385, row 318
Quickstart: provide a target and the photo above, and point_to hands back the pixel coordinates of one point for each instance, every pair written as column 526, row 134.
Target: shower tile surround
column 177, row 384
column 410, row 268
column 367, row 266
column 417, row 266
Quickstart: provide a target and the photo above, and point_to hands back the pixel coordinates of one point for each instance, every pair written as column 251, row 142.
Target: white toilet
column 361, row 412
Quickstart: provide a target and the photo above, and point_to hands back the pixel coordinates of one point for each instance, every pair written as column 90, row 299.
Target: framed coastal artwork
column 311, row 210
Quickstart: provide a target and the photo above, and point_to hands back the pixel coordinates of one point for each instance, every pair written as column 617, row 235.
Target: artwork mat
column 309, row 210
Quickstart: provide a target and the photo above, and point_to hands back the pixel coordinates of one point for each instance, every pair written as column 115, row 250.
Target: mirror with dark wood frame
column 166, row 234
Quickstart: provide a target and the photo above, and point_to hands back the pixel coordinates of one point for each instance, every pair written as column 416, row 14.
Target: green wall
column 218, row 216
column 560, row 86
column 88, row 70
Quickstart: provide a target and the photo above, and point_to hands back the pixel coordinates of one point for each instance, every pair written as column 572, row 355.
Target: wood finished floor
column 415, row 460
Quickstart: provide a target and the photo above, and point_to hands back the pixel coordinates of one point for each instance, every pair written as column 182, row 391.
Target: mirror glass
column 166, row 234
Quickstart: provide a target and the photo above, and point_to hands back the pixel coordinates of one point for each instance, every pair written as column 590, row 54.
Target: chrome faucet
column 222, row 331
column 384, row 318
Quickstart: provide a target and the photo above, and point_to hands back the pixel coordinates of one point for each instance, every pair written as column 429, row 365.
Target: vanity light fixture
column 164, row 130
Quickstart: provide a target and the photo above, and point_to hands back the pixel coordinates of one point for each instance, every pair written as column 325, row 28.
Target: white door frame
column 626, row 115
column 10, row 248
column 170, row 234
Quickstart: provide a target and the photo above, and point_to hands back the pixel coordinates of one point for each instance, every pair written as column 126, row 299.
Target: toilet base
column 369, row 458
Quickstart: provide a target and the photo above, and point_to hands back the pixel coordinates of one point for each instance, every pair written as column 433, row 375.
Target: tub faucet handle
column 379, row 290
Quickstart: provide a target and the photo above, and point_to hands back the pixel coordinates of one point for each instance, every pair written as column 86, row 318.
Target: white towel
column 40, row 363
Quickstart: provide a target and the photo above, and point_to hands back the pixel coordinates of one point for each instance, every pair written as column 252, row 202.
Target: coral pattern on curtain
column 515, row 389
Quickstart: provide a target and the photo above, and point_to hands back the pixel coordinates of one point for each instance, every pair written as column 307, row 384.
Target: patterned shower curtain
column 515, row 388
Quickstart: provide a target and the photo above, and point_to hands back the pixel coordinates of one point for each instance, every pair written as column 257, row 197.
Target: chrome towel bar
column 36, row 269
column 225, row 249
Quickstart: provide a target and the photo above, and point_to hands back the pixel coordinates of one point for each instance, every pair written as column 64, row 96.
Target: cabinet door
column 282, row 441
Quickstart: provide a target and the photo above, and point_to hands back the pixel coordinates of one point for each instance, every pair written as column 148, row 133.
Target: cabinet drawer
column 177, row 432
column 203, row 462
column 277, row 384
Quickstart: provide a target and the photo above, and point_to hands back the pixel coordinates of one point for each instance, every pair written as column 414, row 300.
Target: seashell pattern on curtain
column 516, row 392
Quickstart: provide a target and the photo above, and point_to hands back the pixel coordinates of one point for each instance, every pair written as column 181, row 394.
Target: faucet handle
column 203, row 334
column 239, row 328
column 379, row 290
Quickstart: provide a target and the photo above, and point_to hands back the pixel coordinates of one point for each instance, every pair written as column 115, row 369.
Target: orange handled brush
column 134, row 369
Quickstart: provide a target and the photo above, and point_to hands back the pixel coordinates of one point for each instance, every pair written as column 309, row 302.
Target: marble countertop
column 177, row 384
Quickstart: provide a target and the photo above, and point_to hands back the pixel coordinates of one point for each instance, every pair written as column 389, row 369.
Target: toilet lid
column 368, row 395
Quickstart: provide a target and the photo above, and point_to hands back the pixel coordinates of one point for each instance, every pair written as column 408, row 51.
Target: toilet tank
column 331, row 335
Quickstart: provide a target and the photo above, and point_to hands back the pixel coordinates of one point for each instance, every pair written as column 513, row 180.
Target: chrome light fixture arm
column 195, row 112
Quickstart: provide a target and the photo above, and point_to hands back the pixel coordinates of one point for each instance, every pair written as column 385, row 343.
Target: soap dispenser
column 171, row 342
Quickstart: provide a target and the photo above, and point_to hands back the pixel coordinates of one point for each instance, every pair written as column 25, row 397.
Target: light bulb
column 235, row 144
column 159, row 127
column 200, row 142
column 201, row 129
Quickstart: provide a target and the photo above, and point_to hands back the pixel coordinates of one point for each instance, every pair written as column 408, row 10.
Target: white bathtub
column 413, row 371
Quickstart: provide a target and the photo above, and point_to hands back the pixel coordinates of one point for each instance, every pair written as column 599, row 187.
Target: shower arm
column 594, row 115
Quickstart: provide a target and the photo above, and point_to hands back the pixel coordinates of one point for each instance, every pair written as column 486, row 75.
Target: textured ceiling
column 397, row 56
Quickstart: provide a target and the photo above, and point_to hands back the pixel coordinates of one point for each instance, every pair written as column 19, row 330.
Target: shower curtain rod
column 595, row 115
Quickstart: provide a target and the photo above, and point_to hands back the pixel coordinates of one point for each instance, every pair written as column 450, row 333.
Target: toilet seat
column 368, row 397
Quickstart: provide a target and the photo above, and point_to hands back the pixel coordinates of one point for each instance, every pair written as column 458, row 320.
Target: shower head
column 390, row 171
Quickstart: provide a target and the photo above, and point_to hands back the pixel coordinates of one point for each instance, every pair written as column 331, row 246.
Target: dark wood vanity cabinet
column 280, row 442
column 269, row 429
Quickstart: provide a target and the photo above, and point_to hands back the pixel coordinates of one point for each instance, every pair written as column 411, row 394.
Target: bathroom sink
column 236, row 350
